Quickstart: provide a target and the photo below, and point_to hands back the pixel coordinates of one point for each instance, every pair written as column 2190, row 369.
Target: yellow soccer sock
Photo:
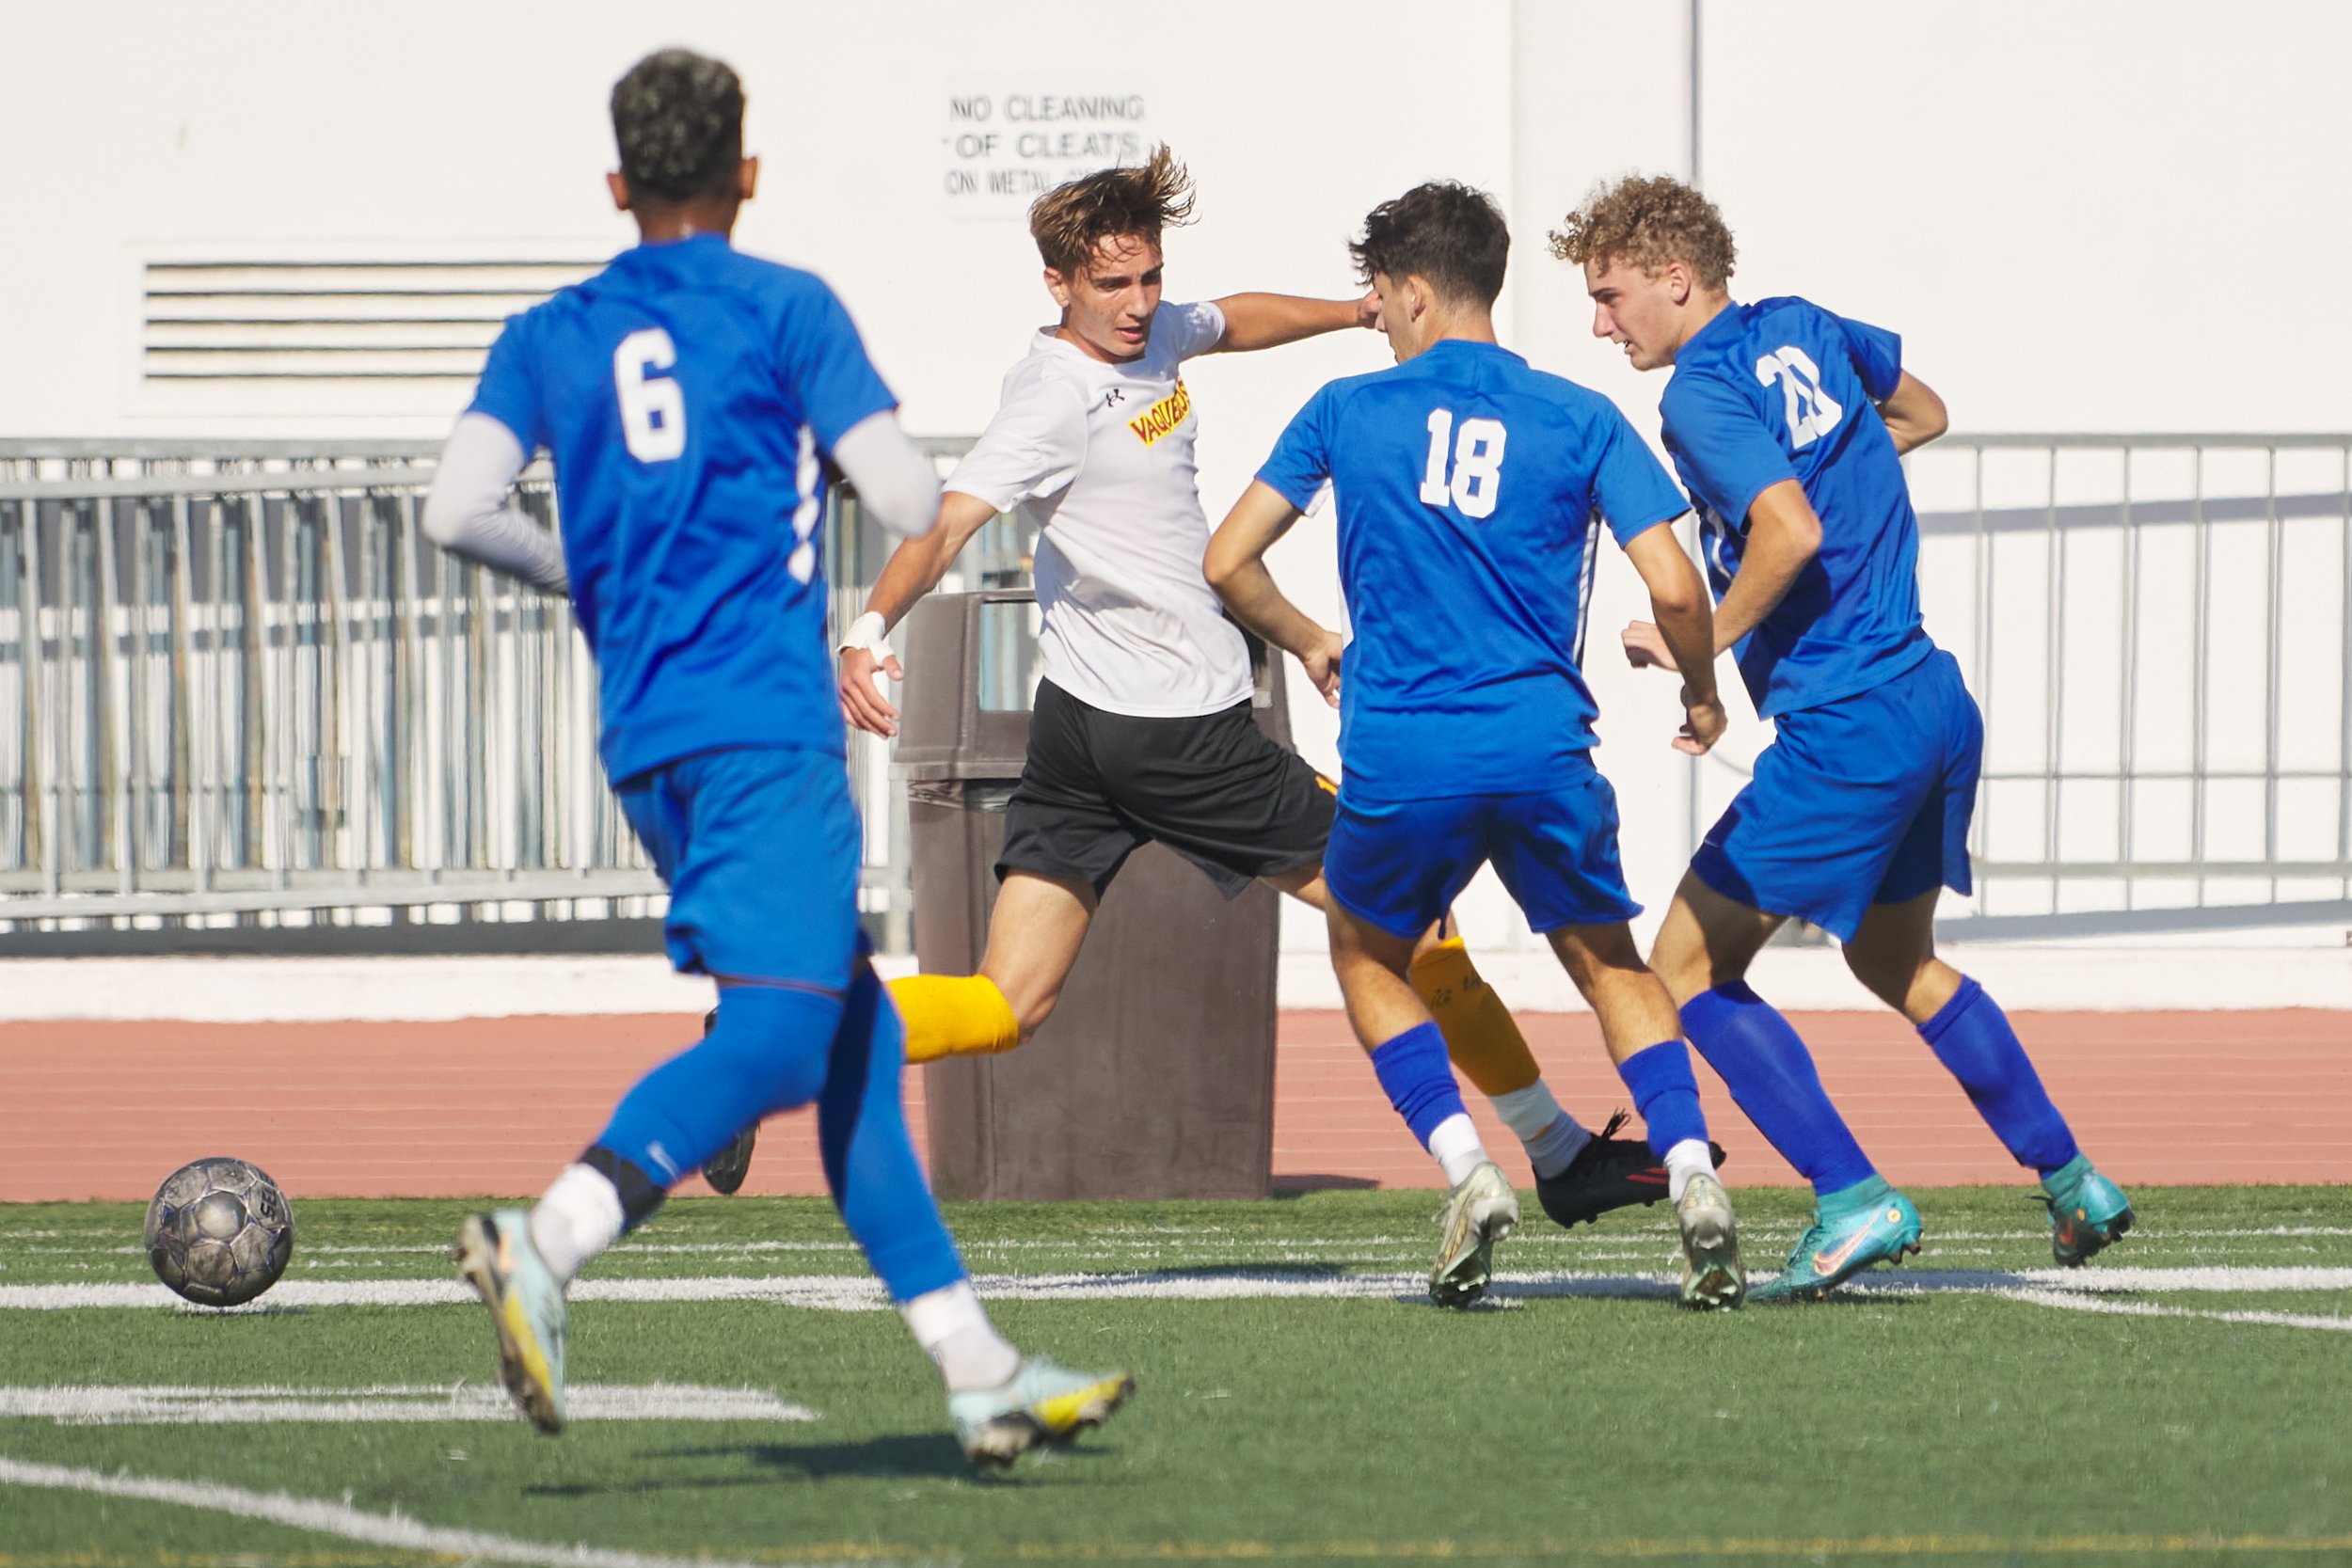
column 1480, row 1034
column 954, row 1015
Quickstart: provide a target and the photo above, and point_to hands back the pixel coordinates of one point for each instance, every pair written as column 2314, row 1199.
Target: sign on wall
column 1002, row 147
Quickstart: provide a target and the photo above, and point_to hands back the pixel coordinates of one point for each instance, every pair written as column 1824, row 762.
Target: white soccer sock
column 1454, row 1144
column 952, row 1327
column 1686, row 1160
column 1550, row 1136
column 579, row 1216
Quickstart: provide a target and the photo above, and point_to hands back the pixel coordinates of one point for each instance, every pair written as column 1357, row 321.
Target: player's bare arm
column 1685, row 625
column 1235, row 568
column 1782, row 535
column 1914, row 414
column 1268, row 321
column 912, row 570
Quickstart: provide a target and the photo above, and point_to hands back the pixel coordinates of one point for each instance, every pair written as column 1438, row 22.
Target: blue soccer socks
column 1772, row 1078
column 1971, row 1037
column 870, row 1159
column 767, row 1053
column 1419, row 1077
column 1658, row 1078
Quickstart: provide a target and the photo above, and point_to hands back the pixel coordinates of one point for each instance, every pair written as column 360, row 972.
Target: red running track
column 495, row 1105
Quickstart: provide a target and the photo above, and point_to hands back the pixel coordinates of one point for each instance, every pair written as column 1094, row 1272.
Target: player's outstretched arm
column 1686, row 626
column 912, row 570
column 466, row 511
column 1269, row 320
column 1235, row 568
column 1914, row 414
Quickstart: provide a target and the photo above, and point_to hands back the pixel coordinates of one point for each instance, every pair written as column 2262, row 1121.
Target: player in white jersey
column 1142, row 726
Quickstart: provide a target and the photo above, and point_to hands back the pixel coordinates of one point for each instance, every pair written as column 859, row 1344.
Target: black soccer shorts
column 1095, row 786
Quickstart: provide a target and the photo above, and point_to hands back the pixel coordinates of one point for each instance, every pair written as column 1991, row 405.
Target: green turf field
column 1297, row 1401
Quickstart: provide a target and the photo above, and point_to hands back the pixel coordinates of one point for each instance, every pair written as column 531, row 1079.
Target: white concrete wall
column 2113, row 216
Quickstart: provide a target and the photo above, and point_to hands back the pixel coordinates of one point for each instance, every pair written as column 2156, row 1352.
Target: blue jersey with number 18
column 1471, row 490
column 689, row 395
column 1783, row 389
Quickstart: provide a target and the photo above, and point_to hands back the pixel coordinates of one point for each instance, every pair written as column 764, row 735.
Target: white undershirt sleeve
column 468, row 512
column 895, row 481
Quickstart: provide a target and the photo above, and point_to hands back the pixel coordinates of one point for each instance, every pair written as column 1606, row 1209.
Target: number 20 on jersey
column 1477, row 468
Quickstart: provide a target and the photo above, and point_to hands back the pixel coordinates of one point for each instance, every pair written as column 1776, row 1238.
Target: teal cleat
column 1043, row 1403
column 2087, row 1213
column 1868, row 1224
column 495, row 1255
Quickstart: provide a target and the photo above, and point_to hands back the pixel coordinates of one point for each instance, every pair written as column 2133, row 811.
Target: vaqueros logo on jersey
column 1163, row 415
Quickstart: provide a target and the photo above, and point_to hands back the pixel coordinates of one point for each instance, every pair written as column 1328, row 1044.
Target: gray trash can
column 1154, row 1077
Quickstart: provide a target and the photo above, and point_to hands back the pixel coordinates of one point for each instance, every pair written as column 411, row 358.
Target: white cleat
column 1477, row 1214
column 1712, row 1279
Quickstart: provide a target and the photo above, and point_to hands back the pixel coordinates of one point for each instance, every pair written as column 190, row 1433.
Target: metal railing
column 238, row 685
column 2159, row 631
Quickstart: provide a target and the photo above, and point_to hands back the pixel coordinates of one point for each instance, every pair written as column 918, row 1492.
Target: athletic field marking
column 2152, row 1309
column 173, row 1404
column 859, row 1294
column 322, row 1517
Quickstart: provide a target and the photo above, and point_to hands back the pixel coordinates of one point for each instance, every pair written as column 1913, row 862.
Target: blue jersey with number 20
column 688, row 394
column 1471, row 490
column 1783, row 389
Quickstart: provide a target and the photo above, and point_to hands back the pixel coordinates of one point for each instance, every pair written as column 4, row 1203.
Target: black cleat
column 726, row 1169
column 1607, row 1173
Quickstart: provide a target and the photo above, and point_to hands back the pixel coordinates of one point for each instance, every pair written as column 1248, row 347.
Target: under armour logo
column 1113, row 398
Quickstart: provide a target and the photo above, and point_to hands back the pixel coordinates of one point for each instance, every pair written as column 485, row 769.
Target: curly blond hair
column 1070, row 220
column 1647, row 221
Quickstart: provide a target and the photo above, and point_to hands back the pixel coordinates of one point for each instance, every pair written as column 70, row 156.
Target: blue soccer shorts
column 1399, row 864
column 1862, row 802
column 761, row 847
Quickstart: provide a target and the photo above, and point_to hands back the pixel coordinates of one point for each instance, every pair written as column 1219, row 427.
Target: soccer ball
column 219, row 1231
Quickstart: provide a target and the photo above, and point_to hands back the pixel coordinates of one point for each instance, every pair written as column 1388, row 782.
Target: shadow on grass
column 1319, row 1181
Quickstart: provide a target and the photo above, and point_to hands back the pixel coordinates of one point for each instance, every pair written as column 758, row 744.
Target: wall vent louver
column 245, row 320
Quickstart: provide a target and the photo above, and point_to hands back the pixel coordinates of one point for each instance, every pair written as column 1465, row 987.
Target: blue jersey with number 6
column 1471, row 490
column 1783, row 389
column 689, row 395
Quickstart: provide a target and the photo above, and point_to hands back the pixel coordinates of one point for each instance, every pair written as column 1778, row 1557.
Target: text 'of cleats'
column 1609, row 1172
column 1477, row 1214
column 1043, row 1403
column 1712, row 1279
column 2087, row 1213
column 495, row 1255
column 1847, row 1236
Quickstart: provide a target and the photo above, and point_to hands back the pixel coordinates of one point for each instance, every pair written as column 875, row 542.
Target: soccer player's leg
column 1219, row 792
column 1000, row 1403
column 1893, row 954
column 1813, row 829
column 1392, row 869
column 1556, row 854
column 759, row 848
column 1064, row 841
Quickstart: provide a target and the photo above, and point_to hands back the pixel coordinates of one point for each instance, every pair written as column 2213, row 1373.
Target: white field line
column 1594, row 1242
column 172, row 1404
column 859, row 1294
column 2152, row 1309
column 322, row 1517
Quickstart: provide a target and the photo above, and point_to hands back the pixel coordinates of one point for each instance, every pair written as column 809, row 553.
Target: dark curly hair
column 1449, row 233
column 1647, row 221
column 678, row 118
column 1070, row 220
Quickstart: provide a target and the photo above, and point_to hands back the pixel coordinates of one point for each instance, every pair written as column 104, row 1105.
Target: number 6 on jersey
column 653, row 409
column 1477, row 464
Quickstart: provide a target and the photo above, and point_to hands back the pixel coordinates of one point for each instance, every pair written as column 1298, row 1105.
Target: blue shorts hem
column 1375, row 921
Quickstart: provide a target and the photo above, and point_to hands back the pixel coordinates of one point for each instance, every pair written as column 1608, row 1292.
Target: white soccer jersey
column 1100, row 457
